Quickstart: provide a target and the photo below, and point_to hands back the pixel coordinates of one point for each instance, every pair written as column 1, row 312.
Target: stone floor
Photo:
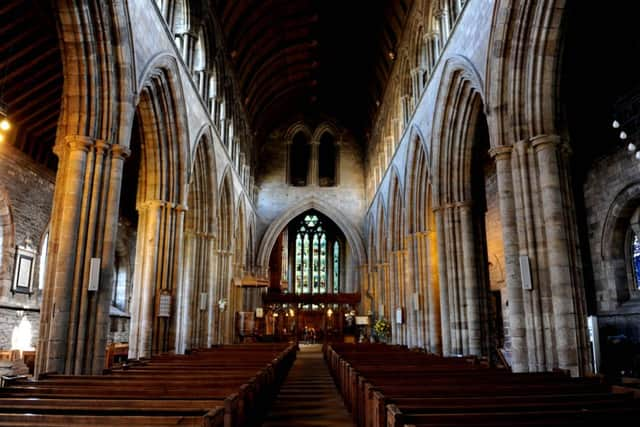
column 309, row 396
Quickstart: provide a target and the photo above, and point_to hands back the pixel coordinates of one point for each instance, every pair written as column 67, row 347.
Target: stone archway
column 354, row 239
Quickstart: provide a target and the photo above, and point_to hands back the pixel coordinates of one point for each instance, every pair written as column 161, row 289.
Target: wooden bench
column 391, row 387
column 223, row 386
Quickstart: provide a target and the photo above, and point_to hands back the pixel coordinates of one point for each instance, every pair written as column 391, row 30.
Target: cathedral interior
column 185, row 174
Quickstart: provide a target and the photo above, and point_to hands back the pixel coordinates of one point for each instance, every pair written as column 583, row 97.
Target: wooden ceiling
column 31, row 76
column 328, row 58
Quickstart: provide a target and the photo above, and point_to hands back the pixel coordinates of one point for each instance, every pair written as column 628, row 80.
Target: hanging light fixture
column 631, row 147
column 5, row 125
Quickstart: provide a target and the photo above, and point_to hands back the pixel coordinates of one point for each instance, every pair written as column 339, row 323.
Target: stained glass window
column 635, row 250
column 336, row 267
column 311, row 256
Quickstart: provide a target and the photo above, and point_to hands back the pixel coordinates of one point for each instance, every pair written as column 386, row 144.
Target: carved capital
column 120, row 151
column 79, row 142
column 502, row 152
column 542, row 142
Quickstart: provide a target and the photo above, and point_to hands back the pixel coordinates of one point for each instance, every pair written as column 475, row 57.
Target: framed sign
column 259, row 312
column 164, row 304
column 24, row 270
column 525, row 272
column 362, row 320
column 399, row 316
column 204, row 298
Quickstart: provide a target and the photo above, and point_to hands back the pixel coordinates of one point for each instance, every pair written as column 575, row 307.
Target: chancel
column 301, row 212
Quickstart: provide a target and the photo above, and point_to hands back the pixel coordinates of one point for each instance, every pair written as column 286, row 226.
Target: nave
column 339, row 385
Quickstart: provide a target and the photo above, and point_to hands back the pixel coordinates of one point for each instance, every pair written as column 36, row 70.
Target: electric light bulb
column 5, row 125
column 631, row 146
column 616, row 124
column 623, row 135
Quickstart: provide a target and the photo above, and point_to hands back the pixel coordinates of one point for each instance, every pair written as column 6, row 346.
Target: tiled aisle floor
column 308, row 396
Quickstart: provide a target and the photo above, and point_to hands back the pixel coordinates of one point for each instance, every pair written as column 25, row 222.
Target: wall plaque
column 164, row 305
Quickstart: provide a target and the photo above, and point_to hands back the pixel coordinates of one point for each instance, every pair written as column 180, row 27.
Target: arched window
column 635, row 259
column 299, row 160
column 180, row 17
column 212, row 92
column 311, row 257
column 200, row 63
column 327, row 159
column 119, row 290
column 42, row 265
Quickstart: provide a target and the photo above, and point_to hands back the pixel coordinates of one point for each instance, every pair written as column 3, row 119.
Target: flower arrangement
column 382, row 328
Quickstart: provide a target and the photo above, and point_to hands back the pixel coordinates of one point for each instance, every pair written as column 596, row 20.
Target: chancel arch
column 355, row 253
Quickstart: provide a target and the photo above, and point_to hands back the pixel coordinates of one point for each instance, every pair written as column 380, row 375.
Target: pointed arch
column 461, row 103
column 396, row 213
column 351, row 232
column 417, row 178
column 325, row 127
column 226, row 211
column 523, row 69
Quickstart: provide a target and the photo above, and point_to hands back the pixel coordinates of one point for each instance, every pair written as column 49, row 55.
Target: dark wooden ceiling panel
column 31, row 76
column 328, row 58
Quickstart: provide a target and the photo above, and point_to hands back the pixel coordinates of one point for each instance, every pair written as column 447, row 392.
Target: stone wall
column 27, row 190
column 276, row 196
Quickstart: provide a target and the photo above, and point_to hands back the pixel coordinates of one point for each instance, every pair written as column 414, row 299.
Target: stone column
column 75, row 321
column 158, row 262
column 517, row 327
column 418, row 83
column 422, row 316
column 188, row 44
column 434, row 344
column 411, row 282
column 312, row 178
column 472, row 282
column 444, row 280
column 560, row 266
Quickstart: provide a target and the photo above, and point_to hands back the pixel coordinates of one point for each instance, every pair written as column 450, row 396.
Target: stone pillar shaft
column 74, row 320
column 517, row 327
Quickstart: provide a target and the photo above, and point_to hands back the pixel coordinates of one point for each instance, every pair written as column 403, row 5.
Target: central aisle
column 308, row 396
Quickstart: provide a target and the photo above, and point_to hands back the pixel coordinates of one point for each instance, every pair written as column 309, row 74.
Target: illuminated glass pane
column 305, row 271
column 299, row 263
column 323, row 264
column 336, row 267
column 636, row 259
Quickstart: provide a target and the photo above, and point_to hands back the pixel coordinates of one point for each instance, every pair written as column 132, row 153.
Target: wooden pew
column 396, row 387
column 223, row 386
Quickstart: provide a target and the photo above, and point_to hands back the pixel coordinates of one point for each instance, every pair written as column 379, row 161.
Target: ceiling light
column 4, row 121
column 638, row 155
column 615, row 124
column 631, row 146
column 391, row 55
column 623, row 135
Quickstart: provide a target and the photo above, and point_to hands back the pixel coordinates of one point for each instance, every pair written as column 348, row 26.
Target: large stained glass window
column 311, row 256
column 635, row 252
